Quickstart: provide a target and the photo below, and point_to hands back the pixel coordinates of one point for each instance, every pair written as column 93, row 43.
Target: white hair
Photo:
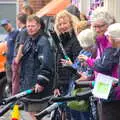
column 100, row 13
column 86, row 38
column 113, row 30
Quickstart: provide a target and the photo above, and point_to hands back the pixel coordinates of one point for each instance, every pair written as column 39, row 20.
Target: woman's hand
column 66, row 62
column 82, row 58
column 56, row 92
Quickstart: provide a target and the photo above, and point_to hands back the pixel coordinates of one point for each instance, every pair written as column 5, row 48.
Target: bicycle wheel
column 56, row 114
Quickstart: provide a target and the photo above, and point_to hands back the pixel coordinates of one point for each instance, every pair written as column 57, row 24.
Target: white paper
column 103, row 85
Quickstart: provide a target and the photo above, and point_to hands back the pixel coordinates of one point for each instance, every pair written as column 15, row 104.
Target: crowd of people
column 91, row 48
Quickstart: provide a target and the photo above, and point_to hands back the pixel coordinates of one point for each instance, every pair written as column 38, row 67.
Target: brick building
column 35, row 4
column 10, row 8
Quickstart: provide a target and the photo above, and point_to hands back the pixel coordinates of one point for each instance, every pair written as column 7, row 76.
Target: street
column 24, row 116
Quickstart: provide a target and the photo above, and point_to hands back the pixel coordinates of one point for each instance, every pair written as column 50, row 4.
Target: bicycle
column 59, row 101
column 8, row 103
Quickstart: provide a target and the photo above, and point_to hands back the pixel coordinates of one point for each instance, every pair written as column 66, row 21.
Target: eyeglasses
column 99, row 26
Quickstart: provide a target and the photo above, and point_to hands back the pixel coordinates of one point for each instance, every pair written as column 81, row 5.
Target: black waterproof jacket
column 72, row 48
column 37, row 64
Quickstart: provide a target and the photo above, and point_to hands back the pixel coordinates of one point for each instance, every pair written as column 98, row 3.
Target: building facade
column 35, row 4
column 7, row 10
column 111, row 5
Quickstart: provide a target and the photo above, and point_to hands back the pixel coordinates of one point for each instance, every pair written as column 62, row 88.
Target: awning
column 53, row 7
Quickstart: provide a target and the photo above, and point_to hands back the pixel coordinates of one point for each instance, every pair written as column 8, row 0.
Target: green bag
column 81, row 105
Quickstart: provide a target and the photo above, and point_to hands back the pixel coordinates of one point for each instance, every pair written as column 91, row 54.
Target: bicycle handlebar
column 84, row 95
column 17, row 96
column 36, row 100
column 10, row 100
column 81, row 84
column 5, row 109
column 91, row 84
column 60, row 100
column 81, row 96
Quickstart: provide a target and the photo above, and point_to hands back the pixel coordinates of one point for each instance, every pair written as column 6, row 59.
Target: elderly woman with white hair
column 108, row 64
column 111, row 60
column 105, row 61
column 100, row 20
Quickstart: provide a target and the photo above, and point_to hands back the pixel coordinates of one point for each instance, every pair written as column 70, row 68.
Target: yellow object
column 15, row 113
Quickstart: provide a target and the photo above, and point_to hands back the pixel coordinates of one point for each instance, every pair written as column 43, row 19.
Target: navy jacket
column 37, row 64
column 107, row 61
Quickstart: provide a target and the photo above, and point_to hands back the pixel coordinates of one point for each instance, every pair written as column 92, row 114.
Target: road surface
column 24, row 116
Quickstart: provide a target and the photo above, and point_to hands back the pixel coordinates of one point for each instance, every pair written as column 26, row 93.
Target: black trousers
column 109, row 110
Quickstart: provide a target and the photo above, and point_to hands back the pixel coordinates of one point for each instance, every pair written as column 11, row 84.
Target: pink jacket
column 103, row 43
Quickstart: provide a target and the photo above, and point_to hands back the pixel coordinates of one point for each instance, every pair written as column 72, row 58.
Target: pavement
column 23, row 115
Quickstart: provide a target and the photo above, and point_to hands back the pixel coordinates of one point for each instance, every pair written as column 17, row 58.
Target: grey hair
column 113, row 30
column 86, row 38
column 101, row 13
